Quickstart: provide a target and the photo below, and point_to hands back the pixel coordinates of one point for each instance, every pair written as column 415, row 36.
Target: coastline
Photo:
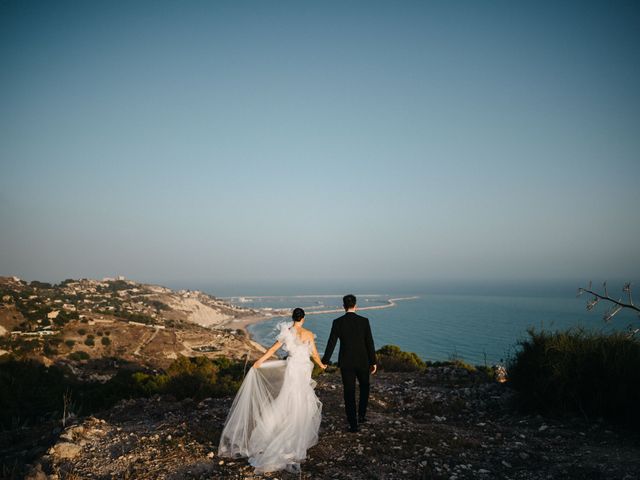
column 242, row 323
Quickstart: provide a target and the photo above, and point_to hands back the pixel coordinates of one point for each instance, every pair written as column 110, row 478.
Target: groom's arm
column 371, row 350
column 331, row 344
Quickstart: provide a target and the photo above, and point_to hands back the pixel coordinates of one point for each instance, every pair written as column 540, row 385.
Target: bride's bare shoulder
column 308, row 334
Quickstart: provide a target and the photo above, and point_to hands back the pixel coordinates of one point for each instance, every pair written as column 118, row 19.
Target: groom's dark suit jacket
column 356, row 342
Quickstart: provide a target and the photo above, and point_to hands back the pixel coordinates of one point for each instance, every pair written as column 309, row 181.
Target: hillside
column 446, row 423
column 80, row 320
column 140, row 409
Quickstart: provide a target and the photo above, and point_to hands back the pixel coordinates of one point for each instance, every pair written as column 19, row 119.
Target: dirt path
column 146, row 341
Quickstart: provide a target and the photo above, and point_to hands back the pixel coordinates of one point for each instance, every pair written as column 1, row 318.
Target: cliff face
column 446, row 423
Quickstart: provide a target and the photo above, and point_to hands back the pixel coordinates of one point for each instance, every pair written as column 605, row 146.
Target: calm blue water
column 477, row 328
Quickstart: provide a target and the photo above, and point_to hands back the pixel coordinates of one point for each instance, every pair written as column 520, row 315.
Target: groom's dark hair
column 349, row 301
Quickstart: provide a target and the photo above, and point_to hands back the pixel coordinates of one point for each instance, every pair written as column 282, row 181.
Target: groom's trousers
column 349, row 375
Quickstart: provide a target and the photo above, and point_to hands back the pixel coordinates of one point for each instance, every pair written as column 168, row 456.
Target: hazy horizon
column 241, row 143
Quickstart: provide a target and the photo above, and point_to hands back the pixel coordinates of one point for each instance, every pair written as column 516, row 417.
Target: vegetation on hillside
column 392, row 359
column 593, row 374
column 31, row 392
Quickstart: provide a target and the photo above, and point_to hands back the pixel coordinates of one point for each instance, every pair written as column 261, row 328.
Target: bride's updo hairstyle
column 297, row 315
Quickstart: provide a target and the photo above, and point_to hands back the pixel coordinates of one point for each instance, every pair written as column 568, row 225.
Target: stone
column 66, row 450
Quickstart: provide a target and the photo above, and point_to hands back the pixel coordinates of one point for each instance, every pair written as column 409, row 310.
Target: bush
column 82, row 331
column 200, row 377
column 70, row 343
column 30, row 391
column 49, row 349
column 577, row 371
column 105, row 341
column 77, row 356
column 89, row 341
column 194, row 377
column 158, row 305
column 392, row 359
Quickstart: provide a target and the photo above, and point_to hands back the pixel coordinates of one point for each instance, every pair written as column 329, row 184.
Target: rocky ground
column 447, row 423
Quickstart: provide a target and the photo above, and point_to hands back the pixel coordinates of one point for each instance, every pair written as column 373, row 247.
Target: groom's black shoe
column 362, row 419
column 354, row 429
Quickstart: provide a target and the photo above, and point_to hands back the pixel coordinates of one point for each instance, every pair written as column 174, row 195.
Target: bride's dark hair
column 298, row 314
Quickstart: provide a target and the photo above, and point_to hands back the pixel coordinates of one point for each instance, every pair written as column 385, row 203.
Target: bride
column 275, row 416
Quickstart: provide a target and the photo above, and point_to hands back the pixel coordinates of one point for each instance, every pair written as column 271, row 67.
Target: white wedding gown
column 275, row 416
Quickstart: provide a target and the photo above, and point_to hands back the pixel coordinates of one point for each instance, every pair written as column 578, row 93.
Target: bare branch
column 611, row 312
column 592, row 303
column 609, row 299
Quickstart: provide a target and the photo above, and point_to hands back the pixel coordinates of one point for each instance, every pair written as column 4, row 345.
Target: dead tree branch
column 616, row 305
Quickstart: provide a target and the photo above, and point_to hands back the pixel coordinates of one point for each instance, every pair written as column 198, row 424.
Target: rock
column 66, row 436
column 66, row 450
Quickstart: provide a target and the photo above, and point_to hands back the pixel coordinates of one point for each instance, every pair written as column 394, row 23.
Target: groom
column 356, row 359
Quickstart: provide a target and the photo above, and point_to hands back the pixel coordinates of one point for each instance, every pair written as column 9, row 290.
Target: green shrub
column 31, row 392
column 392, row 359
column 48, row 349
column 82, row 331
column 105, row 341
column 150, row 384
column 89, row 341
column 593, row 374
column 69, row 343
column 60, row 320
column 79, row 356
column 158, row 305
column 195, row 377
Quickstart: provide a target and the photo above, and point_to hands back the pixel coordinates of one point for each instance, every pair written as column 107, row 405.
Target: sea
column 479, row 323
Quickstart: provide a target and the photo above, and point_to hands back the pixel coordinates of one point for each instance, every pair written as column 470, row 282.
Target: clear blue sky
column 283, row 141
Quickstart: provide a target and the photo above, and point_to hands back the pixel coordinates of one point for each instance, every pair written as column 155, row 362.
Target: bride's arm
column 274, row 348
column 314, row 354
